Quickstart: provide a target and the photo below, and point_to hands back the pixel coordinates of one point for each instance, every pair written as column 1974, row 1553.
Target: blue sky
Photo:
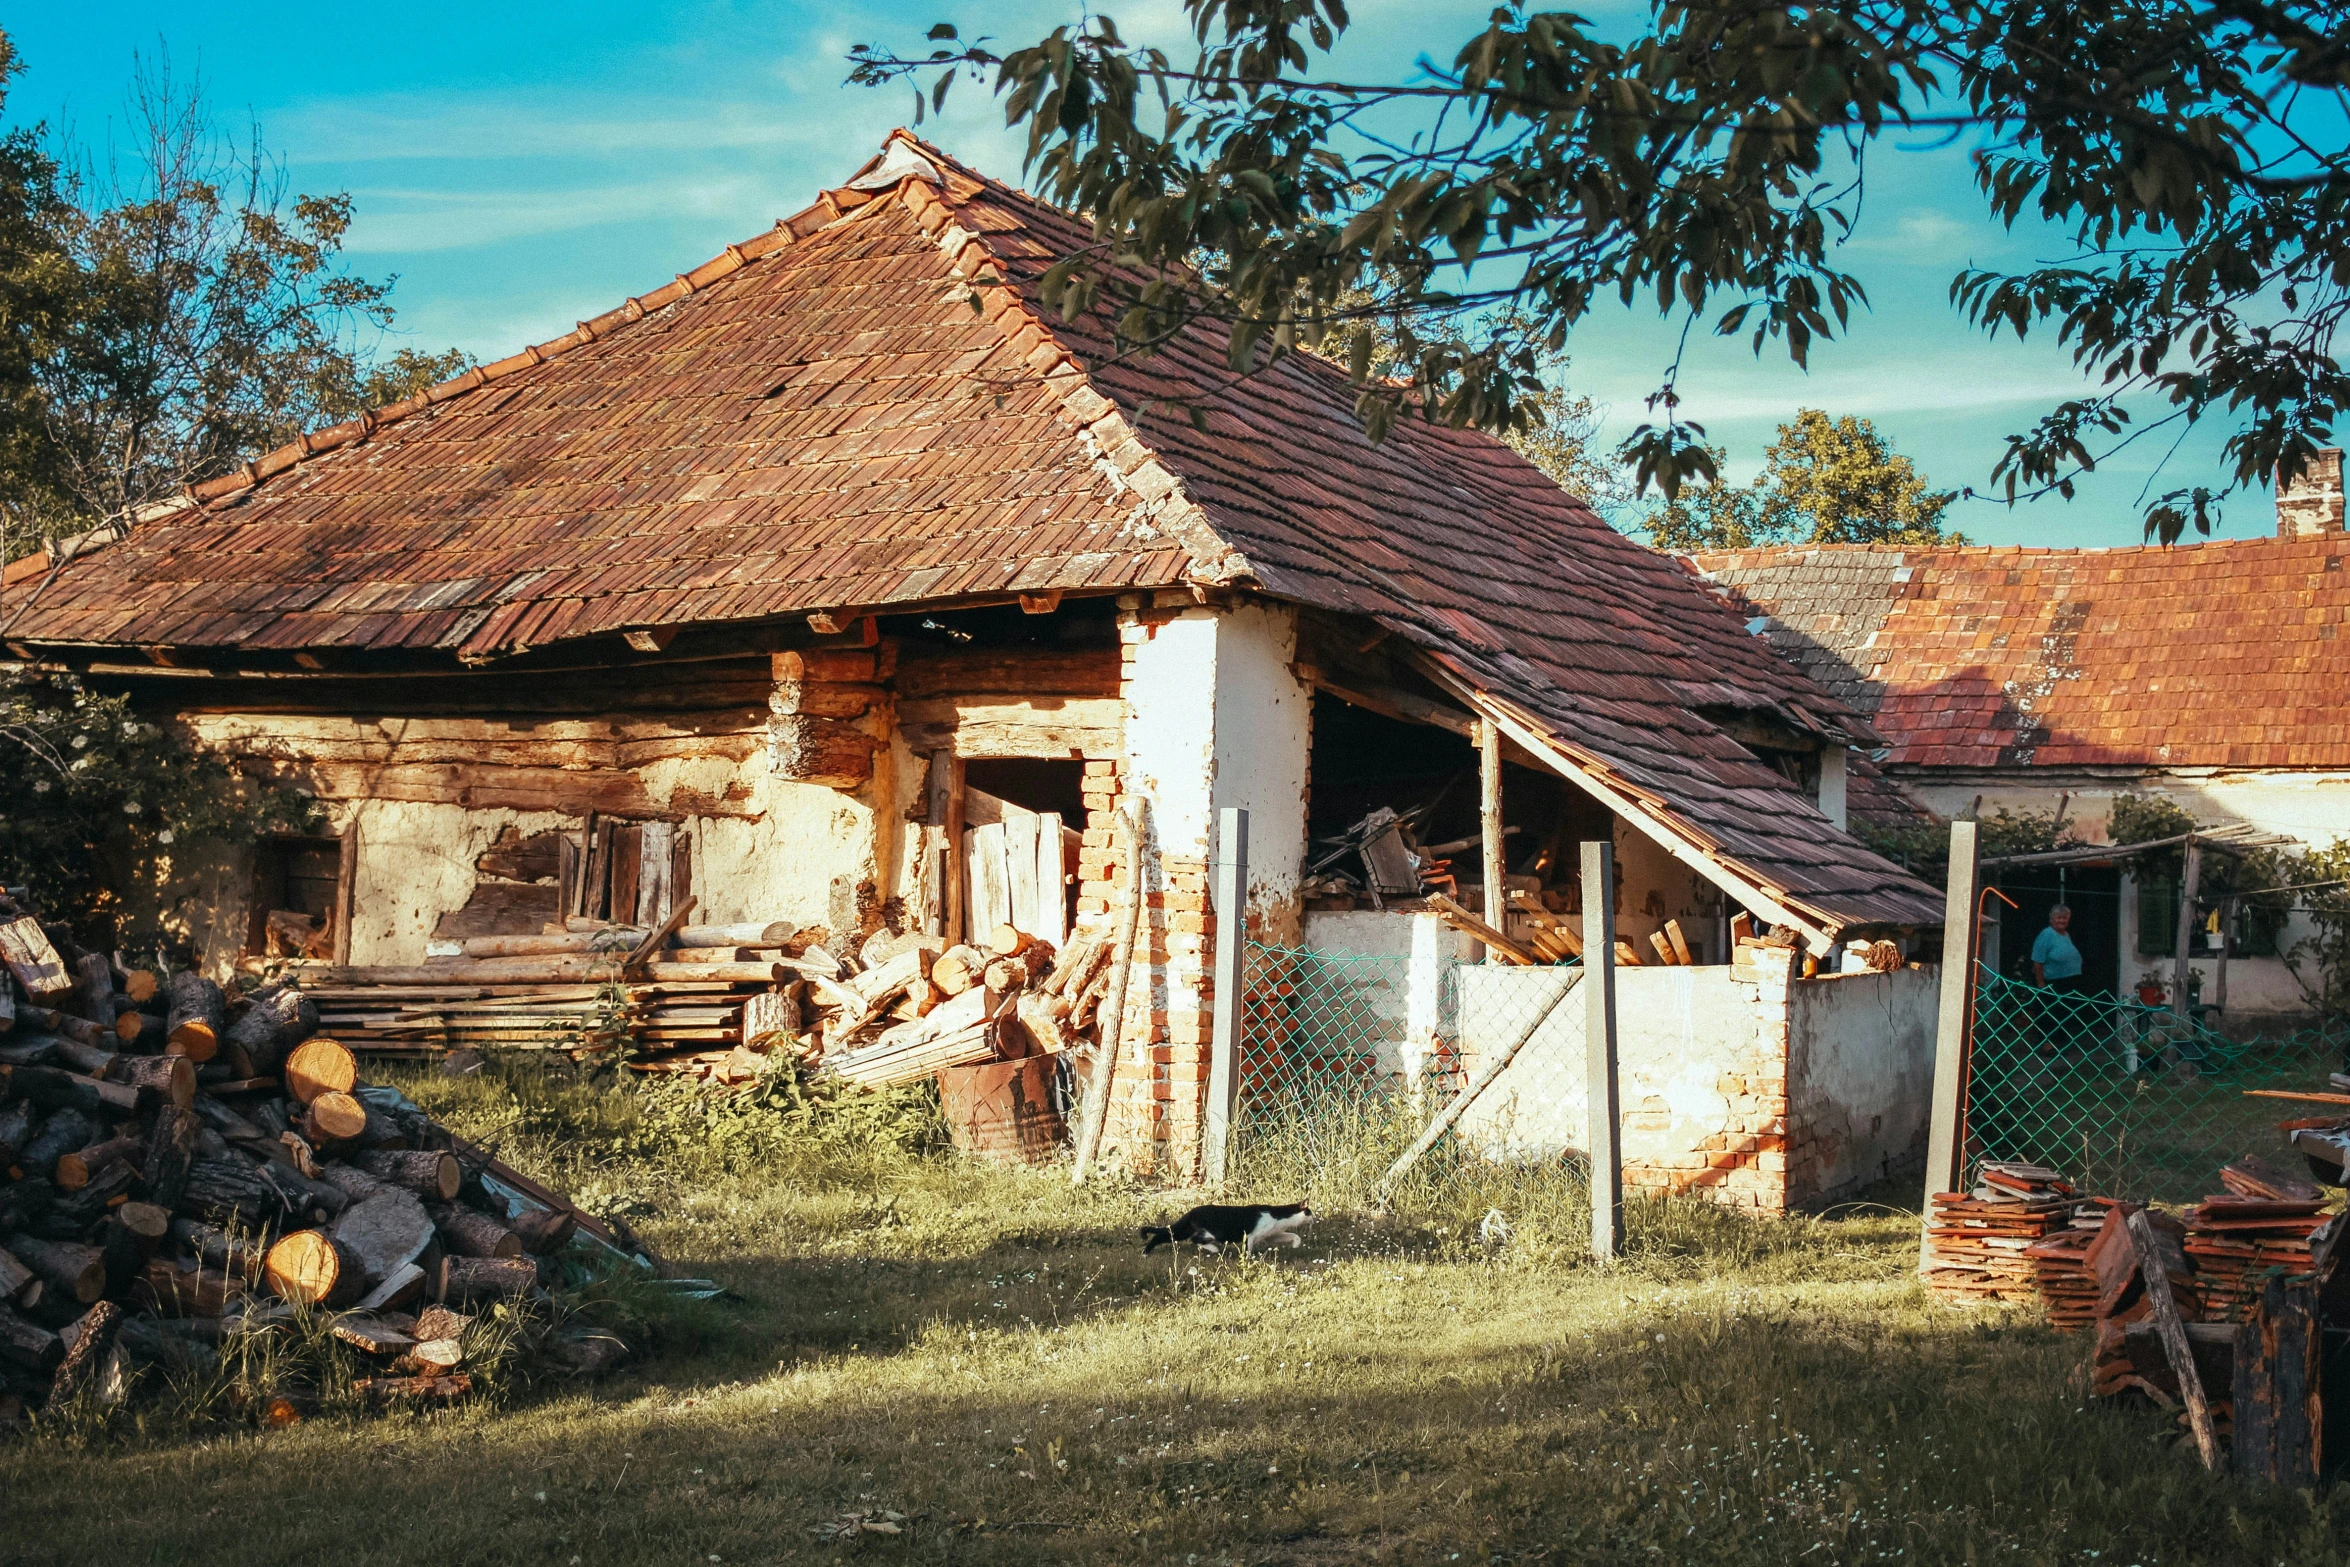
column 521, row 166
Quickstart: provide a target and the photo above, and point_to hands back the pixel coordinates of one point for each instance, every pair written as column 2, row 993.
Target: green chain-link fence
column 1345, row 1056
column 2128, row 1100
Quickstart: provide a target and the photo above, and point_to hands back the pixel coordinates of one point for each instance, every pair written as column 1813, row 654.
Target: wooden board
column 33, row 961
column 502, row 908
column 990, row 891
column 1052, row 904
column 1020, row 836
column 1007, row 724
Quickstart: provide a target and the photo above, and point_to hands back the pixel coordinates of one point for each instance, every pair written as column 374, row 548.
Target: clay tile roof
column 2228, row 654
column 829, row 416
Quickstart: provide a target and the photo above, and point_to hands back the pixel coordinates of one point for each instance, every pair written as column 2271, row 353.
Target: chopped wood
column 319, row 1066
column 309, row 1268
column 27, row 953
column 333, row 1117
column 465, row 1280
column 469, row 1234
column 1462, row 920
column 430, row 1175
column 92, row 1340
column 435, row 1357
column 198, row 1016
column 77, row 1272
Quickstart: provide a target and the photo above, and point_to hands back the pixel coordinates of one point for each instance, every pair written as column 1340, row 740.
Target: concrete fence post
column 1603, row 1109
column 1954, row 1031
column 1231, row 908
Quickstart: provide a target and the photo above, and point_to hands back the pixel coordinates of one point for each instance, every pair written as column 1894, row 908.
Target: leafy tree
column 1711, row 161
column 101, row 800
column 1824, row 481
column 1557, row 430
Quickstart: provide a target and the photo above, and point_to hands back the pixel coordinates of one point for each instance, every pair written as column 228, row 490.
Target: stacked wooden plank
column 180, row 1163
column 1980, row 1243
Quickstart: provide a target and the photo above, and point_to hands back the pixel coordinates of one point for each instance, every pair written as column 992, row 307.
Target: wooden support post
column 1231, row 976
column 1602, row 1106
column 2189, row 875
column 1497, row 896
column 1095, row 1114
column 2155, row 1275
column 1953, row 1033
column 958, row 888
column 346, row 887
column 2227, row 936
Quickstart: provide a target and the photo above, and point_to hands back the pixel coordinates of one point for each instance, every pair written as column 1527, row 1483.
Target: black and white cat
column 1214, row 1226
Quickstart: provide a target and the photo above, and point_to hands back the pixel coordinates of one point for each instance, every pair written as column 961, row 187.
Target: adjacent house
column 2053, row 680
column 772, row 582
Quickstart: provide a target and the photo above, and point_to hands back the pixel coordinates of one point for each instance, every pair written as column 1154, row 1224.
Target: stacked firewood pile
column 183, row 1164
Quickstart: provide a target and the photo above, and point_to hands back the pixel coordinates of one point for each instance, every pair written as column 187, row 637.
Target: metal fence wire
column 1345, row 1057
column 2128, row 1100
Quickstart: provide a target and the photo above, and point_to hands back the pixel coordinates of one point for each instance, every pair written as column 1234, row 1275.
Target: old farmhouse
column 2054, row 680
column 787, row 580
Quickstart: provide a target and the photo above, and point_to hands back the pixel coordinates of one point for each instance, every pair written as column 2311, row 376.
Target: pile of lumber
column 1981, row 1244
column 183, row 1163
column 676, row 995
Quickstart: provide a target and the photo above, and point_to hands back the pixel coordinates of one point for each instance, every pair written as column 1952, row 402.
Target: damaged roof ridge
column 831, row 206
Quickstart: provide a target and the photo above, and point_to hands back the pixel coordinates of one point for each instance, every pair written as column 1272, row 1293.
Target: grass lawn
column 988, row 1365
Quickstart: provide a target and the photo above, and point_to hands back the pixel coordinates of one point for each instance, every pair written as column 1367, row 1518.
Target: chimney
column 2313, row 502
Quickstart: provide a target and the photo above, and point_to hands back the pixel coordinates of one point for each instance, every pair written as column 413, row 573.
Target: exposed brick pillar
column 2313, row 502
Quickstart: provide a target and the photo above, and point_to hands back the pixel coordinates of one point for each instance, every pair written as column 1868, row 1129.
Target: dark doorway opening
column 2093, row 892
column 1032, row 783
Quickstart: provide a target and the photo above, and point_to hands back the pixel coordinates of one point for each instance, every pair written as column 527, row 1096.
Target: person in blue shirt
column 2056, row 962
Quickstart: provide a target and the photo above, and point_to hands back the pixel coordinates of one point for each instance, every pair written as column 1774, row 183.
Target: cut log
column 56, row 1089
column 384, row 1234
column 65, row 1131
column 73, row 1170
column 75, row 1271
column 158, row 1079
column 49, row 1020
column 1006, row 940
column 320, row 1066
column 28, row 1344
column 432, row 1357
column 464, row 1280
column 89, row 1060
column 93, row 1340
column 279, row 1018
column 308, row 1268
column 93, row 988
column 198, row 1016
column 25, row 949
column 231, row 1192
column 469, row 1234
column 771, row 936
column 173, row 1291
column 171, row 1149
column 149, row 1223
column 142, row 1033
column 957, row 969
column 215, row 1247
column 333, row 1117
column 139, row 984
column 433, row 1176
column 1005, row 975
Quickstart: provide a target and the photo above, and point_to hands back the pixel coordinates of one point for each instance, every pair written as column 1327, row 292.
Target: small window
column 296, row 883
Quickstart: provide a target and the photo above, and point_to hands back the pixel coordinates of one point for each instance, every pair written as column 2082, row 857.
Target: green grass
column 987, row 1363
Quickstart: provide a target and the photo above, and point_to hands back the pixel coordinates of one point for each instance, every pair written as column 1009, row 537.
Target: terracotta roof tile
column 2213, row 654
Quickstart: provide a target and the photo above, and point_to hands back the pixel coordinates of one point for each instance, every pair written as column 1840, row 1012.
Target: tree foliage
column 101, row 800
column 1824, row 481
column 1710, row 162
column 170, row 310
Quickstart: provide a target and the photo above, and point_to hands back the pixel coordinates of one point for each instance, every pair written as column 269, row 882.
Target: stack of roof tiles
column 2265, row 1220
column 867, row 407
column 1982, row 1244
